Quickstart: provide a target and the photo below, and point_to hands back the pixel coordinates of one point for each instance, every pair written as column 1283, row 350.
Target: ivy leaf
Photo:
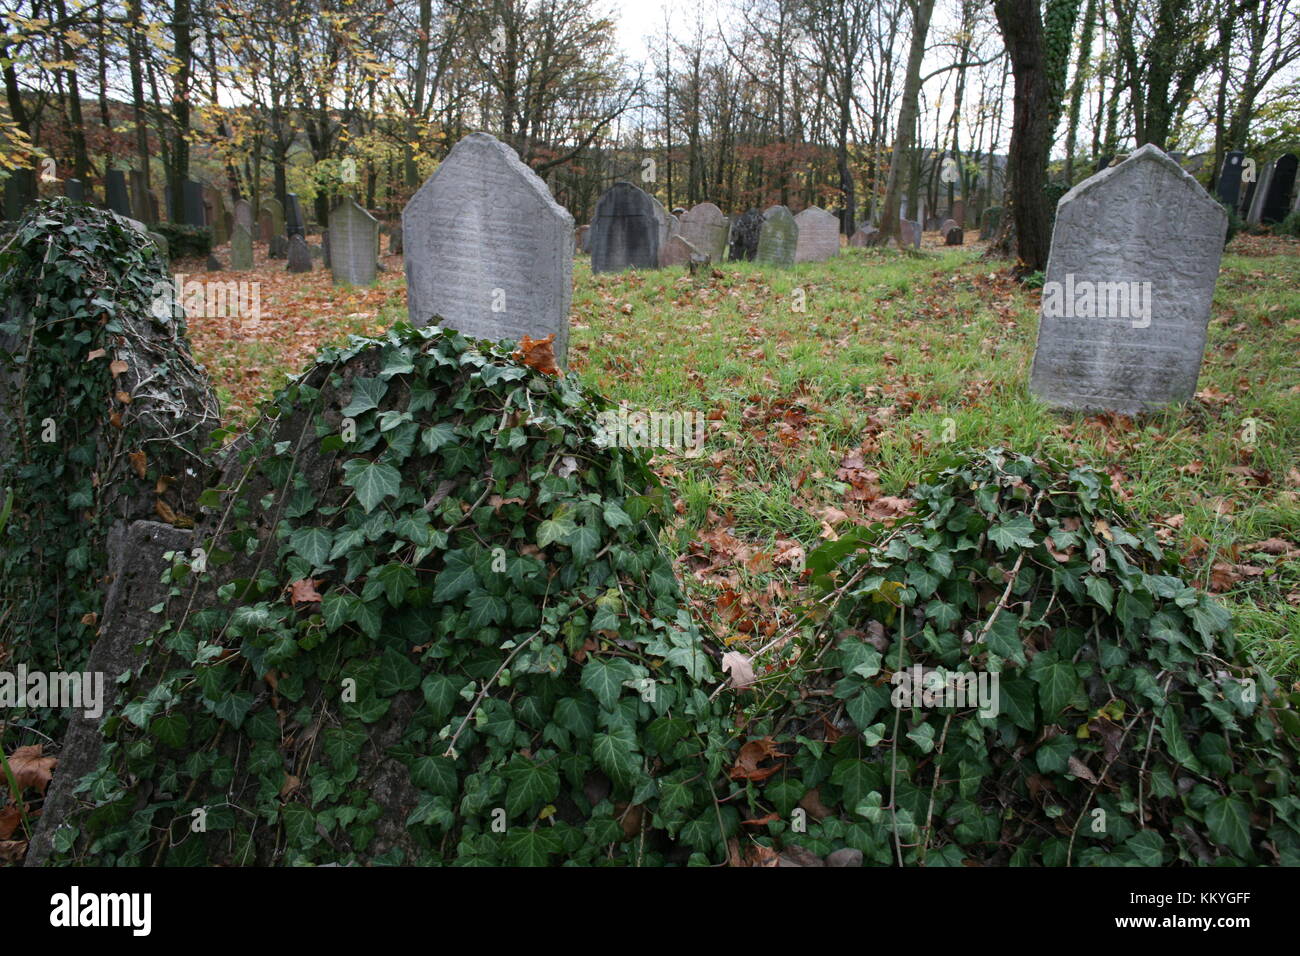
column 604, row 678
column 313, row 544
column 554, row 529
column 170, row 729
column 531, row 847
column 615, row 754
column 1229, row 823
column 366, row 394
column 457, row 577
column 529, row 784
column 1056, row 681
column 439, row 695
column 485, row 610
column 396, row 673
column 436, row 775
column 1012, row 532
column 373, row 480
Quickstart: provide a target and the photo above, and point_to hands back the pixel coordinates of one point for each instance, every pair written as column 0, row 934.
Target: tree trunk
column 900, row 161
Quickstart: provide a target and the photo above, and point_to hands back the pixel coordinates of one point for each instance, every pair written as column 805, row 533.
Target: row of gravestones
column 632, row 230
column 1266, row 198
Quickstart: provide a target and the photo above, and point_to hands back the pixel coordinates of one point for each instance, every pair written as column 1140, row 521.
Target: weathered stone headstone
column 278, row 248
column 1280, row 184
column 191, row 204
column 1130, row 278
column 115, row 197
column 299, row 255
column 20, row 192
column 909, row 233
column 294, row 224
column 1228, row 187
column 990, row 222
column 668, row 225
column 946, row 225
column 265, row 225
column 706, row 228
column 954, row 235
column 488, row 251
column 213, row 263
column 243, row 214
column 75, row 190
column 819, row 235
column 141, row 197
column 580, row 238
column 744, row 236
column 353, row 236
column 214, row 215
column 395, row 240
column 624, row 230
column 864, row 237
column 1256, row 197
column 678, row 251
column 277, row 215
column 241, row 249
column 778, row 238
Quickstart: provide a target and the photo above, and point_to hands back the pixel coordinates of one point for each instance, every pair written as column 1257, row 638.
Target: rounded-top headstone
column 488, row 251
column 778, row 238
column 624, row 231
column 706, row 228
column 819, row 235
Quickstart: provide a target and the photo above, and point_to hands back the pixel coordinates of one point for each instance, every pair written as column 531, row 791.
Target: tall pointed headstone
column 488, row 251
column 1126, row 302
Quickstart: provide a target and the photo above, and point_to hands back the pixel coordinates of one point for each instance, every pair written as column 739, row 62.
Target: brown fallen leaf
column 739, row 667
column 30, row 769
column 10, row 817
column 538, row 354
column 139, row 463
column 304, row 592
column 117, row 367
column 752, row 753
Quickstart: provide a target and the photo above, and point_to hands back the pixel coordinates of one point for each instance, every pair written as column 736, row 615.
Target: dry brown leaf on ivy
column 10, row 817
column 139, row 463
column 304, row 592
column 739, row 667
column 31, row 769
column 538, row 354
column 12, row 851
column 96, row 354
column 753, row 753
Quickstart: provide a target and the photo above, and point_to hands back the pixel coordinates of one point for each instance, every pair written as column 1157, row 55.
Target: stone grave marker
column 819, row 235
column 1259, row 192
column 954, row 235
column 778, row 238
column 115, row 197
column 243, row 214
column 864, row 237
column 488, row 251
column 75, row 190
column 299, row 255
column 294, row 224
column 1228, row 187
column 241, row 249
column 141, row 197
column 265, row 225
column 679, row 251
column 990, row 222
column 1280, row 184
column 706, row 228
column 580, row 238
column 1130, row 279
column 214, row 215
column 192, row 203
column 353, row 235
column 277, row 215
column 744, row 236
column 624, row 230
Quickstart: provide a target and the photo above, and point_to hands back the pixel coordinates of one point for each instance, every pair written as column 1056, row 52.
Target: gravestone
column 115, row 196
column 265, row 225
column 953, row 235
column 778, row 238
column 1280, row 184
column 141, row 197
column 294, row 224
column 580, row 238
column 214, row 215
column 241, row 249
column 213, row 263
column 668, row 225
column 819, row 235
column 744, row 236
column 278, row 248
column 277, row 215
column 395, row 240
column 706, row 228
column 75, row 190
column 909, row 233
column 864, row 237
column 679, row 251
column 353, row 236
column 1126, row 303
column 1255, row 200
column 192, row 203
column 299, row 255
column 20, row 192
column 1229, row 185
column 491, row 252
column 624, row 230
column 990, row 222
column 243, row 215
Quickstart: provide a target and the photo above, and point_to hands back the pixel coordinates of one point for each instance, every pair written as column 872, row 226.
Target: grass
column 900, row 359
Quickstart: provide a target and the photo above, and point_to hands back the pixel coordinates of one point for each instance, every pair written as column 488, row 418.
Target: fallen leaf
column 304, row 592
column 30, row 769
column 739, row 667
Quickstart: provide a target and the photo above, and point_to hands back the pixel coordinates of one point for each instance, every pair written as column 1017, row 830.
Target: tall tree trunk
column 1081, row 69
column 901, row 160
column 182, row 51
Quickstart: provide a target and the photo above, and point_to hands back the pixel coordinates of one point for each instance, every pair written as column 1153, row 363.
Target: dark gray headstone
column 214, row 215
column 395, row 246
column 278, row 248
column 20, row 192
column 706, row 228
column 954, row 235
column 488, row 251
column 241, row 249
column 294, row 224
column 819, row 235
column 1280, row 184
column 141, row 196
column 1126, row 302
column 75, row 190
column 744, row 236
column 778, row 238
column 115, row 196
column 192, row 203
column 580, row 238
column 990, row 222
column 213, row 263
column 324, row 248
column 1229, row 185
column 624, row 231
column 299, row 255
column 353, row 235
